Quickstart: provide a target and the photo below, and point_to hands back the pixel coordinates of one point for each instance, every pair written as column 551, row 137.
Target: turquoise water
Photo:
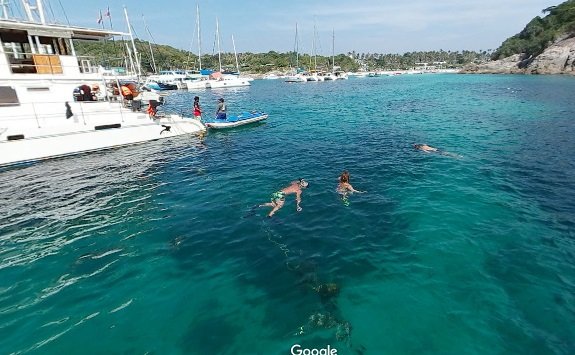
column 155, row 248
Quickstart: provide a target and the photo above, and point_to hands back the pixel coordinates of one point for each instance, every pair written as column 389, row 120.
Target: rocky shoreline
column 558, row 58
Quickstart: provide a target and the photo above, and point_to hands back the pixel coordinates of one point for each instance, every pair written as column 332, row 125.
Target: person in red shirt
column 197, row 108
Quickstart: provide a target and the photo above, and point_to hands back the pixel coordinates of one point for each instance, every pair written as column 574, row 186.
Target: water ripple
column 470, row 246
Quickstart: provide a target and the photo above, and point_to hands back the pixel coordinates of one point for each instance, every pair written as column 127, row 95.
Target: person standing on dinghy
column 278, row 198
column 221, row 110
column 197, row 108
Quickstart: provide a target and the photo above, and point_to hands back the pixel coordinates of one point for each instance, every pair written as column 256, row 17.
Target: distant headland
column 545, row 46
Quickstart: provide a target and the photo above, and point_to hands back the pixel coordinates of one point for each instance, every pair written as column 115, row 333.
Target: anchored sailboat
column 296, row 76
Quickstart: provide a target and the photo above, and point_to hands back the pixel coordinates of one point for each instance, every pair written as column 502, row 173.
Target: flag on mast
column 100, row 18
column 109, row 16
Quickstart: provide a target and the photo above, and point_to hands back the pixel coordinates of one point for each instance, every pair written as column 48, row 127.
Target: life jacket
column 126, row 90
column 151, row 110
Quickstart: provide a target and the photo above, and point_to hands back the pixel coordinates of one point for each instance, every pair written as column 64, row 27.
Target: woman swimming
column 344, row 187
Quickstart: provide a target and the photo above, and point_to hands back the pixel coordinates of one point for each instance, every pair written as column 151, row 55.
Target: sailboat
column 217, row 79
column 337, row 74
column 314, row 74
column 296, row 77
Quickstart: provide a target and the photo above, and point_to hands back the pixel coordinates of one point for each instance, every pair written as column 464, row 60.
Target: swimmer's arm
column 298, row 200
column 350, row 188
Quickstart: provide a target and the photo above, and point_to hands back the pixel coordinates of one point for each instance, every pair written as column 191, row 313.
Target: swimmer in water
column 425, row 148
column 344, row 187
column 429, row 149
column 278, row 198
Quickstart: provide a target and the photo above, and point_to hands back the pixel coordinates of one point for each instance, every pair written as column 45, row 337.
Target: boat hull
column 236, row 121
column 65, row 143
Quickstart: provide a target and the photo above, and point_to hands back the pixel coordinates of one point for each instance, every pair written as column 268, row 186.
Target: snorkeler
column 429, row 149
column 278, row 198
column 425, row 148
column 344, row 187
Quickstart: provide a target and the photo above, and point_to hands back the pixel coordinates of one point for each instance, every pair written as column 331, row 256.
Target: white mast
column 296, row 50
column 236, row 54
column 199, row 36
column 333, row 51
column 314, row 48
column 38, row 8
column 132, row 68
column 218, row 38
column 133, row 44
column 4, row 4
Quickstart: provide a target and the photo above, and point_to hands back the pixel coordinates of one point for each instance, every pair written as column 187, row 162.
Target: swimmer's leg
column 279, row 204
column 344, row 199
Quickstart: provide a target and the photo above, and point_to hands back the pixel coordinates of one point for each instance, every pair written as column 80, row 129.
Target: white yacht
column 171, row 77
column 328, row 76
column 54, row 103
column 296, row 78
column 217, row 81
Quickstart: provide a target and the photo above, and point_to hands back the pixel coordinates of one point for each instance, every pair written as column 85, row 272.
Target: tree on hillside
column 540, row 32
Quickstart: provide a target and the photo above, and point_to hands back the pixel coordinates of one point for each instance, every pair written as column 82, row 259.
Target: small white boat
column 235, row 121
column 296, row 78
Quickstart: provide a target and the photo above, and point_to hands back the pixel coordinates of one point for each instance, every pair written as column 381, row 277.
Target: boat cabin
column 35, row 48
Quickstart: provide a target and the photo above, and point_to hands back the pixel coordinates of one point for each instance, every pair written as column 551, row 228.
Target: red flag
column 100, row 18
column 107, row 14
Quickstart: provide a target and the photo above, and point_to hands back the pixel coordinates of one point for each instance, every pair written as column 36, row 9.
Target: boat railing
column 45, row 114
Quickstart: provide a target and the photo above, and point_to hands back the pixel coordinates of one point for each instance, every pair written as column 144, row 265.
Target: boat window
column 16, row 45
column 46, row 45
column 42, row 59
column 8, row 96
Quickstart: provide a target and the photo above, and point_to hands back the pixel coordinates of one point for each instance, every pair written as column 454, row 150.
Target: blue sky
column 364, row 26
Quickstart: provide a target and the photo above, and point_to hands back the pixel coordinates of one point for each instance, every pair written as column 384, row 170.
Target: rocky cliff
column 558, row 58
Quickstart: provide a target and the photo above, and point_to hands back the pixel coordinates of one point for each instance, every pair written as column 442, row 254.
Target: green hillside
column 540, row 32
column 113, row 54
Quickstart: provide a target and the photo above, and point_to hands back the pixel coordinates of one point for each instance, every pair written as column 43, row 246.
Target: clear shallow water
column 153, row 249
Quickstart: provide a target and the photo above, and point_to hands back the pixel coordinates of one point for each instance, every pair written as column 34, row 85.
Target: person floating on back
column 344, row 188
column 429, row 149
column 221, row 110
column 425, row 148
column 278, row 198
column 197, row 108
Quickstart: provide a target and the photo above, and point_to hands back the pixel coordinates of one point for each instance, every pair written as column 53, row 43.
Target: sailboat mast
column 333, row 51
column 133, row 44
column 218, row 39
column 236, row 55
column 296, row 50
column 150, row 45
column 310, row 59
column 199, row 36
column 314, row 48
